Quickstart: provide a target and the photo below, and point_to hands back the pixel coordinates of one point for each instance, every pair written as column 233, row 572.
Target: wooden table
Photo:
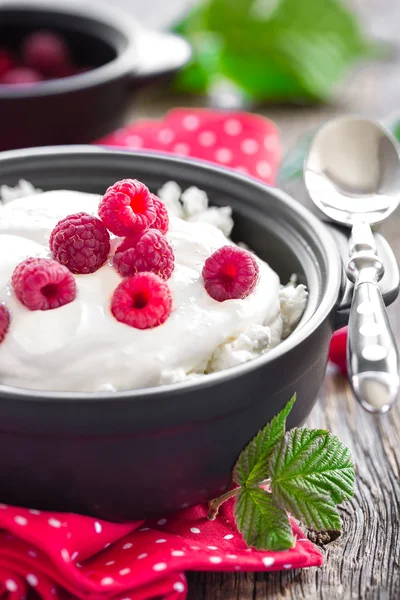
column 364, row 563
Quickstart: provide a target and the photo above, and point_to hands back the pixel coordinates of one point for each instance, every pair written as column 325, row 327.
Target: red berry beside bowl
column 338, row 349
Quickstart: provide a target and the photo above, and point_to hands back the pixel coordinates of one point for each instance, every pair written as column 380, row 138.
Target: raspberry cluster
column 144, row 257
column 80, row 244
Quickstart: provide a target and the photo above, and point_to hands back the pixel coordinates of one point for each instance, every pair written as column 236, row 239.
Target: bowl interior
column 92, row 43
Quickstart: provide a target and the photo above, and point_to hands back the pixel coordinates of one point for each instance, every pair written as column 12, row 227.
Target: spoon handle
column 372, row 356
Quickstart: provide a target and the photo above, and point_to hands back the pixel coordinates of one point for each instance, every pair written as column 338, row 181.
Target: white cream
column 81, row 347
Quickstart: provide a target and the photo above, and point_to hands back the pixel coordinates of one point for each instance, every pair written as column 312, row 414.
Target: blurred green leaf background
column 271, row 50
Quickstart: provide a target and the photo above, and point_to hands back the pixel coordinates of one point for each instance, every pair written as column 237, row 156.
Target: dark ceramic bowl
column 146, row 452
column 84, row 107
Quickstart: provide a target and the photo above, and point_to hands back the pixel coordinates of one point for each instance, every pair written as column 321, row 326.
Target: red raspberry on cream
column 43, row 284
column 230, row 273
column 127, row 208
column 142, row 301
column 149, row 251
column 81, row 242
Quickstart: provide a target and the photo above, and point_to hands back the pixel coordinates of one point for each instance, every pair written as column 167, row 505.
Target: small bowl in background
column 84, row 107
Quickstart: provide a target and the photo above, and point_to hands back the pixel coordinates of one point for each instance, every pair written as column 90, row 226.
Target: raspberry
column 4, row 321
column 127, row 208
column 229, row 273
column 148, row 251
column 338, row 349
column 43, row 284
column 81, row 243
column 45, row 52
column 162, row 219
column 142, row 301
column 6, row 62
column 21, row 76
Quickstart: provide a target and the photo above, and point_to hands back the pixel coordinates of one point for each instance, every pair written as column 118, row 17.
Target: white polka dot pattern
column 179, row 587
column 166, row 136
column 32, row 579
column 98, row 527
column 182, row 148
column 207, row 139
column 11, row 586
column 127, row 546
column 242, row 141
column 54, row 523
column 233, row 127
column 249, row 146
column 191, row 122
column 65, row 555
column 263, row 169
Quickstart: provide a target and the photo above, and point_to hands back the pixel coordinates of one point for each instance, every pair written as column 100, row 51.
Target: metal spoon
column 352, row 173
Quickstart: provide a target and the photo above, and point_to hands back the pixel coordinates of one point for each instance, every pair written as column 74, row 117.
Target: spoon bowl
column 352, row 171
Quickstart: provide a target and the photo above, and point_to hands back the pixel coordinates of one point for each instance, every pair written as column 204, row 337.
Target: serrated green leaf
column 315, row 510
column 252, row 464
column 311, row 471
column 262, row 523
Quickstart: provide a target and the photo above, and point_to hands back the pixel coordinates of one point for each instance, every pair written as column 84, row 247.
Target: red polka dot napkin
column 242, row 141
column 62, row 556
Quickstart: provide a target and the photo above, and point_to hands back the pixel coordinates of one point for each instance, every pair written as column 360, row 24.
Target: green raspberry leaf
column 262, row 523
column 252, row 464
column 311, row 471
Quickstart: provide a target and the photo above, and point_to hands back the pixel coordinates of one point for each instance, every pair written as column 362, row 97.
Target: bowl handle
column 158, row 54
column 389, row 284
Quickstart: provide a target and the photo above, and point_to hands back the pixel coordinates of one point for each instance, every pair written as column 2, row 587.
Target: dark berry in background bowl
column 46, row 52
column 21, row 76
column 42, row 55
column 67, row 70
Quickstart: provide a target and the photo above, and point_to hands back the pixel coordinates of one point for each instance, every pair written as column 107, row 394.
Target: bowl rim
column 124, row 63
column 329, row 298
